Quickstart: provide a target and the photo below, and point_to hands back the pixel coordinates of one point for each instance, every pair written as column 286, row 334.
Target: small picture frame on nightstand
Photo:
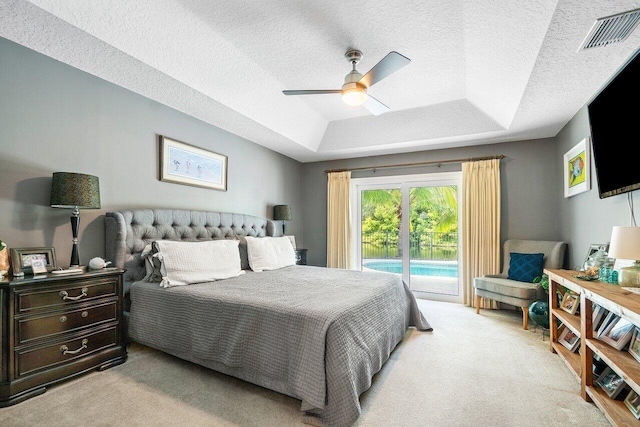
column 22, row 259
column 38, row 266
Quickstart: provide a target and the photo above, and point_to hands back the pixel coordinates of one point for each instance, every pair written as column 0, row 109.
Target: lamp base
column 75, row 226
column 630, row 276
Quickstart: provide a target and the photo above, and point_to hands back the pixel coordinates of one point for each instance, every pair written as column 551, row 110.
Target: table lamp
column 282, row 213
column 75, row 191
column 625, row 244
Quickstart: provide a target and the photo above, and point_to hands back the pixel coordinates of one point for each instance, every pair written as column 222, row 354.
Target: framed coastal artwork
column 577, row 163
column 182, row 163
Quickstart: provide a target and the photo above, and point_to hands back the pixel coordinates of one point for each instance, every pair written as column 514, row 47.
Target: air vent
column 611, row 29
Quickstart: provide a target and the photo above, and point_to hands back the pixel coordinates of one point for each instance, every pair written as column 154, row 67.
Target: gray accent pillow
column 244, row 255
column 152, row 264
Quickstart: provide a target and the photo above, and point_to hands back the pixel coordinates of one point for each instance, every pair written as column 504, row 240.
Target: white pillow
column 184, row 263
column 270, row 253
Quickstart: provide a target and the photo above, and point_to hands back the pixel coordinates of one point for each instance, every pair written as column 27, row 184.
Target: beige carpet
column 470, row 371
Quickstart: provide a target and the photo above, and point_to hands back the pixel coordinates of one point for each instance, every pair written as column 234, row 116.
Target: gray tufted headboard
column 128, row 232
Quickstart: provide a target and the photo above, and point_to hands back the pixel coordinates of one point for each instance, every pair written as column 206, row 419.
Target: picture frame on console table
column 568, row 339
column 611, row 383
column 634, row 345
column 617, row 333
column 632, row 401
column 598, row 315
column 186, row 164
column 23, row 258
column 577, row 164
column 570, row 302
column 593, row 248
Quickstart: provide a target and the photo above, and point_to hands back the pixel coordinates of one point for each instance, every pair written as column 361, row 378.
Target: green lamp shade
column 70, row 190
column 282, row 213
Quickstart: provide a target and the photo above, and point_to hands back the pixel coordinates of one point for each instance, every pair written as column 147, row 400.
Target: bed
column 312, row 333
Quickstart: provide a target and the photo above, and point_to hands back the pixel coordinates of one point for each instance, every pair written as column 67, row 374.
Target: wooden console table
column 623, row 303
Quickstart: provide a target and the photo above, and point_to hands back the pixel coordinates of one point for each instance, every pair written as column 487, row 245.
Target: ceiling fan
column 354, row 89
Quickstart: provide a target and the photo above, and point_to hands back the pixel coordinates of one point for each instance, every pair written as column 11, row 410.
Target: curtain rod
column 433, row 162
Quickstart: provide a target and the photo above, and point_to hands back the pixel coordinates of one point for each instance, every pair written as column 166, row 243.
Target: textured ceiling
column 480, row 72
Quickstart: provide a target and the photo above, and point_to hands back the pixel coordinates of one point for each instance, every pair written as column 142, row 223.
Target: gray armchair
column 520, row 294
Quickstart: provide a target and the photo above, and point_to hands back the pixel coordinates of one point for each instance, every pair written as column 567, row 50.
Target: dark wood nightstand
column 301, row 256
column 57, row 327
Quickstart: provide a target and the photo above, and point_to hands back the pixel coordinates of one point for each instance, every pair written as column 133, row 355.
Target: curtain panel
column 481, row 225
column 338, row 220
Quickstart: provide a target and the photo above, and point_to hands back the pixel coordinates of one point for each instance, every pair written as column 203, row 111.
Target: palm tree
column 439, row 204
column 443, row 199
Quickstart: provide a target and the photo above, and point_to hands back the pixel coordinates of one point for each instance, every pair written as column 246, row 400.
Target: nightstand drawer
column 34, row 327
column 28, row 361
column 72, row 292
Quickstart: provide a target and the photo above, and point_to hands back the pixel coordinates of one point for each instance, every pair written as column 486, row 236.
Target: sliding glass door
column 381, row 225
column 408, row 225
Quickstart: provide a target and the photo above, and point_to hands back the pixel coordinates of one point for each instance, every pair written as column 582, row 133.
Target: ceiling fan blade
column 310, row 92
column 387, row 66
column 374, row 106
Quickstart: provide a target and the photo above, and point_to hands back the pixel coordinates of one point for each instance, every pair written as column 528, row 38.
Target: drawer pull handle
column 85, row 314
column 65, row 350
column 65, row 295
column 63, row 319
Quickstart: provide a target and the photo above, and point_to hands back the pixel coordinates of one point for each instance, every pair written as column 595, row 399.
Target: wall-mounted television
column 614, row 115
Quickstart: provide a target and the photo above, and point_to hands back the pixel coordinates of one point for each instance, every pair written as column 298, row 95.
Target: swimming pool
column 418, row 268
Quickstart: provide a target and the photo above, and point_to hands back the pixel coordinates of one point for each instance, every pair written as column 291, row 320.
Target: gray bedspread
column 313, row 333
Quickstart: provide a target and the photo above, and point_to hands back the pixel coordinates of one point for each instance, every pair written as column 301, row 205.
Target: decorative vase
column 4, row 257
column 539, row 313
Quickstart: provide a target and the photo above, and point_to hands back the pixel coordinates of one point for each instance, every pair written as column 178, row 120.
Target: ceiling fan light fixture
column 354, row 96
column 354, row 89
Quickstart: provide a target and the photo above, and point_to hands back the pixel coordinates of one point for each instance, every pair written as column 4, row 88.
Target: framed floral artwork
column 577, row 163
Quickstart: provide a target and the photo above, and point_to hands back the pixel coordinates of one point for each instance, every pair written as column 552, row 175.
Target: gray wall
column 585, row 218
column 533, row 202
column 529, row 178
column 55, row 118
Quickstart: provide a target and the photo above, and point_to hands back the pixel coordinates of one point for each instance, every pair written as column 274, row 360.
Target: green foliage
column 544, row 282
column 433, row 222
column 383, row 218
column 431, row 209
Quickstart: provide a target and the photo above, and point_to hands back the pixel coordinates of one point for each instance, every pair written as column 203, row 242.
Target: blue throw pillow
column 525, row 267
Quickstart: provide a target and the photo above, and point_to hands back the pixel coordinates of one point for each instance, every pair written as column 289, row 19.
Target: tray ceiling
column 481, row 71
